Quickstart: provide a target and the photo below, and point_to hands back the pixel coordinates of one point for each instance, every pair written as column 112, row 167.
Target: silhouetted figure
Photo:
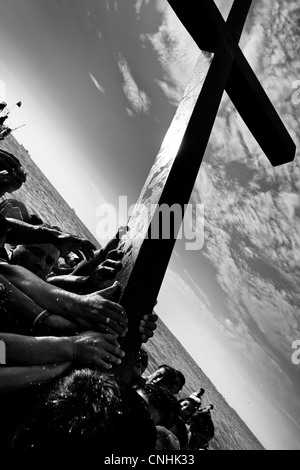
column 14, row 209
column 164, row 376
column 12, row 174
column 197, row 396
column 89, row 412
column 3, row 119
column 201, row 428
column 5, row 132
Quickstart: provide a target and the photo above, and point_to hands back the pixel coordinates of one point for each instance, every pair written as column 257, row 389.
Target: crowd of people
column 4, row 114
column 61, row 325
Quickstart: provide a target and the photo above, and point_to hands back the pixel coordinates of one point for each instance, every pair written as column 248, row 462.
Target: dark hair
column 10, row 163
column 191, row 400
column 89, row 411
column 201, row 423
column 170, row 375
column 10, row 158
column 181, row 377
column 16, row 203
column 35, row 220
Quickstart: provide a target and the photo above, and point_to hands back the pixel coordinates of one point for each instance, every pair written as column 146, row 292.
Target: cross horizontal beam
column 171, row 181
column 243, row 87
column 173, row 174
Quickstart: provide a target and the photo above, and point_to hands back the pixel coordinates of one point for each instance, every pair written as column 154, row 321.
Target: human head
column 89, row 411
column 164, row 376
column 197, row 396
column 37, row 258
column 12, row 174
column 201, row 428
column 206, row 409
column 187, row 407
column 14, row 209
column 199, row 393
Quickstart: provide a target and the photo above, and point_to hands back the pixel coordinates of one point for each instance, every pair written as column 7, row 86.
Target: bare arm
column 107, row 271
column 30, row 350
column 70, row 283
column 18, row 311
column 31, row 360
column 90, row 311
column 18, row 314
column 30, row 293
column 16, row 378
column 21, row 232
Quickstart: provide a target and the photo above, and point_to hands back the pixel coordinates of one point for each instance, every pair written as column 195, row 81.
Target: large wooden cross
column 175, row 169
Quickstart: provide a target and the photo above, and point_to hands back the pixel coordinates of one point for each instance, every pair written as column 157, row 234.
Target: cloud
column 96, row 83
column 252, row 210
column 251, row 239
column 111, row 4
column 176, row 51
column 170, row 91
column 130, row 112
column 137, row 98
column 138, row 6
column 234, row 337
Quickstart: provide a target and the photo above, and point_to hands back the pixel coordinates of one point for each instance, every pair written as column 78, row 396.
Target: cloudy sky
column 100, row 81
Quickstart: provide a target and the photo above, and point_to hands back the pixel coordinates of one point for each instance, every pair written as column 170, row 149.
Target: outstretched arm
column 107, row 271
column 17, row 378
column 32, row 360
column 92, row 311
column 23, row 350
column 21, row 232
column 18, row 311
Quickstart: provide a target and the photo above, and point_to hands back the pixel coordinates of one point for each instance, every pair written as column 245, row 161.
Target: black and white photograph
column 149, row 227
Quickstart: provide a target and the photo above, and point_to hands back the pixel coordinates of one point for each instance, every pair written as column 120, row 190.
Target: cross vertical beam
column 181, row 153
